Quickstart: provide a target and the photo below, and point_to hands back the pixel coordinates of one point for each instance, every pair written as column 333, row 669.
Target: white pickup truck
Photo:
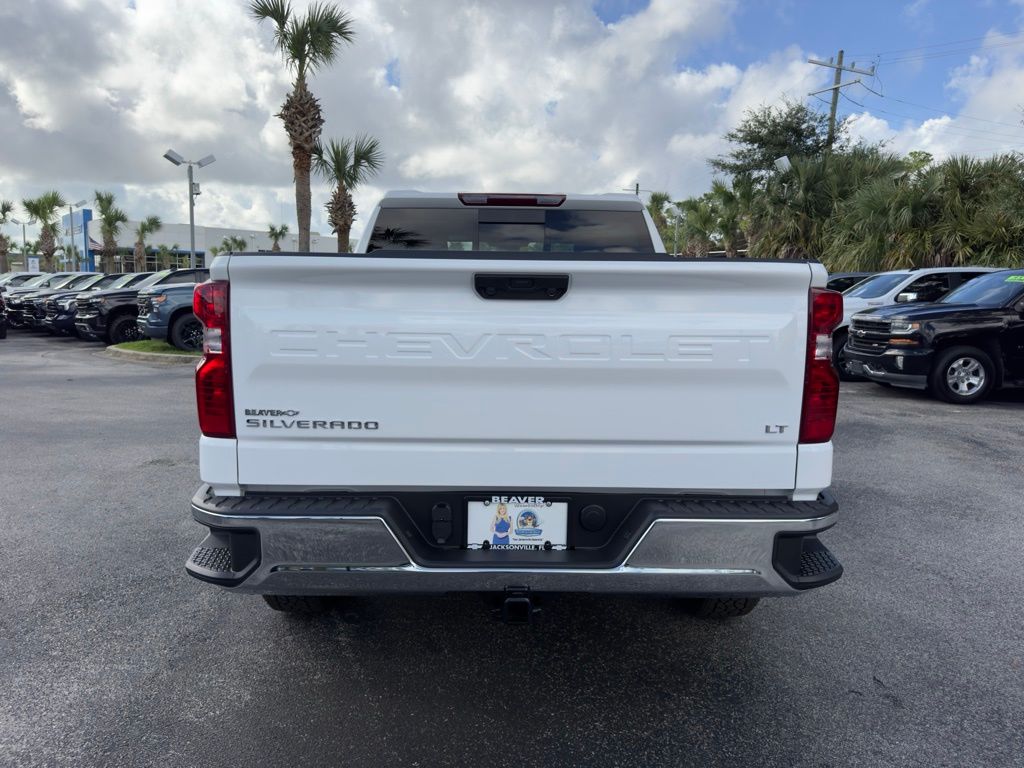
column 515, row 394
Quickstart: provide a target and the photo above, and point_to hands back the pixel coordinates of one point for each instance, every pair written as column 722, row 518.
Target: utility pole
column 836, row 85
column 835, row 100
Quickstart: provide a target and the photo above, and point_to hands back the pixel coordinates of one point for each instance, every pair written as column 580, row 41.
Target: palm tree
column 346, row 164
column 307, row 43
column 111, row 218
column 148, row 226
column 6, row 209
column 699, row 222
column 958, row 212
column 656, row 206
column 44, row 210
column 277, row 234
column 729, row 209
column 232, row 244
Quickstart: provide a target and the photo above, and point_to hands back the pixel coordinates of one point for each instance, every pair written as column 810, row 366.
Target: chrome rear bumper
column 360, row 554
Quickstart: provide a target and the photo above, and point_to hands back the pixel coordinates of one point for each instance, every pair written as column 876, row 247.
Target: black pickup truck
column 961, row 348
column 111, row 315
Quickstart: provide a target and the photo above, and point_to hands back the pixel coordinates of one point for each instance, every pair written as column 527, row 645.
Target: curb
column 149, row 357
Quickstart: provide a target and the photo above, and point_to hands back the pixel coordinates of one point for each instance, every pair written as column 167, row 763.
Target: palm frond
column 367, row 160
column 277, row 11
column 312, row 41
column 44, row 208
column 328, row 26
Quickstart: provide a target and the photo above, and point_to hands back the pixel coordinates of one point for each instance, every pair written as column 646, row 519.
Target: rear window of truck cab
column 510, row 229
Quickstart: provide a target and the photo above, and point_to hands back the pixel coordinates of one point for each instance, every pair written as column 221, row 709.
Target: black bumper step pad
column 804, row 562
column 225, row 557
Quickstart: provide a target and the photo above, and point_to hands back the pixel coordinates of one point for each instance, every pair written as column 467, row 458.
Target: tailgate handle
column 521, row 287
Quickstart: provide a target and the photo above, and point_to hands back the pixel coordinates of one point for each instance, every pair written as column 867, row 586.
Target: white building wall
column 208, row 237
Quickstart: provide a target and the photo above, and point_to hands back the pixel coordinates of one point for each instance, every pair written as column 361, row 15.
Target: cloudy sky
column 538, row 95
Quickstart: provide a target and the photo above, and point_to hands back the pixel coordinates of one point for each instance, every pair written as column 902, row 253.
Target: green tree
column 797, row 212
column 767, row 133
column 233, row 244
column 44, row 210
column 658, row 206
column 731, row 223
column 307, row 42
column 958, row 212
column 276, row 235
column 918, row 160
column 111, row 219
column 699, row 223
column 346, row 164
column 148, row 226
column 6, row 209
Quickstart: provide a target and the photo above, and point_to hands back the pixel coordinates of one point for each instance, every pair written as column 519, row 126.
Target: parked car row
column 113, row 308
column 958, row 333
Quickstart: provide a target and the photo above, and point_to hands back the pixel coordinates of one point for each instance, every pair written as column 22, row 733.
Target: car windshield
column 153, row 279
column 20, row 280
column 876, row 286
column 36, row 281
column 96, row 281
column 65, row 282
column 994, row 290
column 123, row 280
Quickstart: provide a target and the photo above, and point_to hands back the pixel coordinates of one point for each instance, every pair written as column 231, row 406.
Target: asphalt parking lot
column 110, row 655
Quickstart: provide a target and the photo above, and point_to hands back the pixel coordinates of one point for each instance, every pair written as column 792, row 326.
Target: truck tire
column 721, row 607
column 962, row 375
column 298, row 603
column 187, row 333
column 123, row 328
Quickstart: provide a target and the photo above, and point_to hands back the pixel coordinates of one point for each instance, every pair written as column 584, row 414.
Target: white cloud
column 988, row 119
column 533, row 95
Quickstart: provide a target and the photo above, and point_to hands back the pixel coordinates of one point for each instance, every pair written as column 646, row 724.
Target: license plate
column 517, row 523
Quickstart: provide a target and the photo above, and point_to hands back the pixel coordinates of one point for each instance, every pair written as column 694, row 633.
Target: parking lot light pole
column 70, row 251
column 24, row 240
column 193, row 189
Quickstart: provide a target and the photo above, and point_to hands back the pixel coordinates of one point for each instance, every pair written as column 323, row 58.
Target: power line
column 945, row 113
column 954, row 52
column 969, row 133
column 927, row 50
column 922, row 47
column 958, row 116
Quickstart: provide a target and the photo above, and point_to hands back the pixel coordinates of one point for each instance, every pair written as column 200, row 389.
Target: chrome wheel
column 965, row 376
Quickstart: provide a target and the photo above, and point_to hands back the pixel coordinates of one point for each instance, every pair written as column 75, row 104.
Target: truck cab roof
column 614, row 201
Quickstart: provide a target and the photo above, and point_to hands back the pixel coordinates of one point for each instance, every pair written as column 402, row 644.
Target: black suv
column 59, row 308
column 110, row 315
column 961, row 348
column 20, row 308
column 34, row 307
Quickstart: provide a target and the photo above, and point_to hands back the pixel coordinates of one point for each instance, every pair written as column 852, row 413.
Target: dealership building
column 81, row 235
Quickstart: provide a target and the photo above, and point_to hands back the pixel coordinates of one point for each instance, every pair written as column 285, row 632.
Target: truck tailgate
column 364, row 372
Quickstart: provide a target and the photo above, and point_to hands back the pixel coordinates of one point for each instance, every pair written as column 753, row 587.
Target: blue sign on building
column 75, row 234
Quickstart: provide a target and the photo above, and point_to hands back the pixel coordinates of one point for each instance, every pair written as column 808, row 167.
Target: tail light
column 487, row 198
column 821, row 381
column 213, row 374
